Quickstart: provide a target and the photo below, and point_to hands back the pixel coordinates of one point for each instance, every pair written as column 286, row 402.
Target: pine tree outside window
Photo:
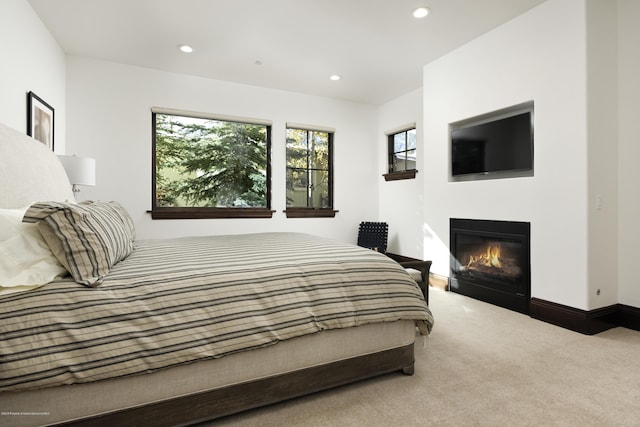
column 209, row 167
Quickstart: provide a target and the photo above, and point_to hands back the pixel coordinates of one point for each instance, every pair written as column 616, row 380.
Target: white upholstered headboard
column 29, row 171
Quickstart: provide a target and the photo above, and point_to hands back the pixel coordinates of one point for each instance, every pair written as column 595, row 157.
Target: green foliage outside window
column 210, row 163
column 308, row 169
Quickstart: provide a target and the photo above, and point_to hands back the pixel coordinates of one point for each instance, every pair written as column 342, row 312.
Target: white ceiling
column 377, row 46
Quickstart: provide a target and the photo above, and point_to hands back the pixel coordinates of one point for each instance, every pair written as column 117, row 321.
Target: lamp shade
column 80, row 170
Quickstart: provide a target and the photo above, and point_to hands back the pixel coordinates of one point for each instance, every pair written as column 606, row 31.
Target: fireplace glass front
column 490, row 261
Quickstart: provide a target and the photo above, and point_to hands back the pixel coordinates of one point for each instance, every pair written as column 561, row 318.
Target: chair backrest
column 373, row 235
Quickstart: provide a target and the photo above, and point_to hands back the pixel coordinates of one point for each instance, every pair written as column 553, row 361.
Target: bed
column 179, row 331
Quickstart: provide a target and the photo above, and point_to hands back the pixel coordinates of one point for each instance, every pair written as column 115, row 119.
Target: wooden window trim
column 209, row 213
column 396, row 176
column 310, row 212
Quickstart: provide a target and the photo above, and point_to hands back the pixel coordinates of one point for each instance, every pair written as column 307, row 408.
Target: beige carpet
column 484, row 366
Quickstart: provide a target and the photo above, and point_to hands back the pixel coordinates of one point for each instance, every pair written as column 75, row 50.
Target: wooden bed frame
column 30, row 172
column 233, row 399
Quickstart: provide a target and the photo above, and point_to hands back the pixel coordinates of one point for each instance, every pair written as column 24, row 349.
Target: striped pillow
column 87, row 238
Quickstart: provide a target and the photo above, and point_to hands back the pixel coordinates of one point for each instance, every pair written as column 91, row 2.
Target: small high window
column 309, row 172
column 401, row 154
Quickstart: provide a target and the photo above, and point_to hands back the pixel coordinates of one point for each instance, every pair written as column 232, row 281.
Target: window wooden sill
column 310, row 213
column 208, row 213
column 395, row 176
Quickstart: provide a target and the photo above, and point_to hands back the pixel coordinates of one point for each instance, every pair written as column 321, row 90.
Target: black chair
column 373, row 235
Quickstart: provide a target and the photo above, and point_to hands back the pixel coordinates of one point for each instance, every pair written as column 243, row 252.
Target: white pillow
column 26, row 261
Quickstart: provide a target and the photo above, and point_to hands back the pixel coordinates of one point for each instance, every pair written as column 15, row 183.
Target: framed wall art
column 40, row 120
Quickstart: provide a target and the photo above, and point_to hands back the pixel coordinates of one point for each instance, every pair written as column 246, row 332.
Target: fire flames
column 489, row 258
column 493, row 260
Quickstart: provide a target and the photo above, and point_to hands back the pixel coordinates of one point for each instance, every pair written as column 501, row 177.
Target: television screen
column 486, row 146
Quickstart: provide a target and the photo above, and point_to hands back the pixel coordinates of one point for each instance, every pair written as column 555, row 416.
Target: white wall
column 538, row 56
column 31, row 61
column 602, row 131
column 108, row 108
column 629, row 151
column 401, row 201
column 541, row 55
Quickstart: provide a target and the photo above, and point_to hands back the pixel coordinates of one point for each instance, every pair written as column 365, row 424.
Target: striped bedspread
column 182, row 300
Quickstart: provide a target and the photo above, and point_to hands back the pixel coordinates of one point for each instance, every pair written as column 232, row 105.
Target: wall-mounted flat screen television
column 493, row 145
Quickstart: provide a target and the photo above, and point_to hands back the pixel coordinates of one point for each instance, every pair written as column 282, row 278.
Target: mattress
column 174, row 302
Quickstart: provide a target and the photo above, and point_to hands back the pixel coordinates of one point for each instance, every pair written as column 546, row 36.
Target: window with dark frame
column 208, row 167
column 309, row 173
column 402, row 154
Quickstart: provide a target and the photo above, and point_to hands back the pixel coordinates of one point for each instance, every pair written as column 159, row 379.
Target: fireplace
column 490, row 261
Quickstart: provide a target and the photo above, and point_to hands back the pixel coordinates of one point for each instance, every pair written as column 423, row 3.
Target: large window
column 210, row 167
column 402, row 154
column 309, row 172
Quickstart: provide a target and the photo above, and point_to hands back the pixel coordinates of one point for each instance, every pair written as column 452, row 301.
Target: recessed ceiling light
column 421, row 12
column 185, row 48
column 334, row 77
